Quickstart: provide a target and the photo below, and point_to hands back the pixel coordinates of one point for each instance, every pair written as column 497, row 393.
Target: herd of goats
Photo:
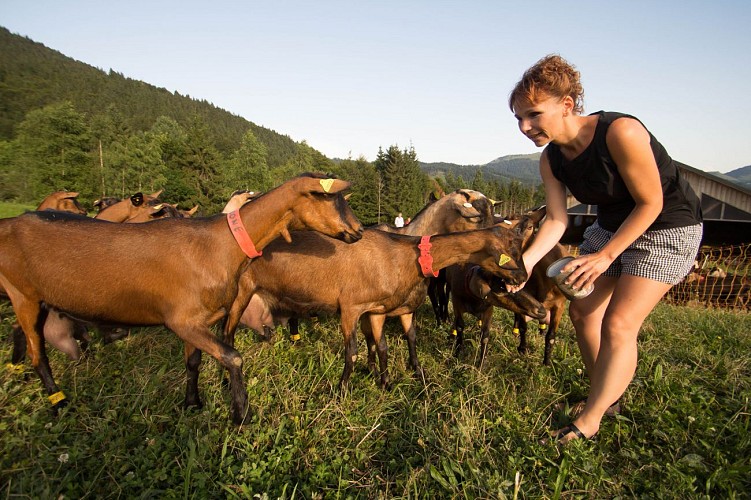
column 156, row 265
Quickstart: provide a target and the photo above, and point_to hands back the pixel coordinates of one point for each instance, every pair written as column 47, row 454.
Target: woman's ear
column 568, row 105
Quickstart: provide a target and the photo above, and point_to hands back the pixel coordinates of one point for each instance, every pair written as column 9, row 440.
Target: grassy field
column 13, row 209
column 463, row 433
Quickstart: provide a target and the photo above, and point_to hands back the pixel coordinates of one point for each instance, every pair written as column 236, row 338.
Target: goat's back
column 318, row 273
column 52, row 258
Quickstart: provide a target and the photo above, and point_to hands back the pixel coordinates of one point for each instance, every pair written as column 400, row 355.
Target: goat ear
column 538, row 213
column 329, row 186
column 465, row 208
column 285, row 234
column 137, row 199
column 71, row 194
column 479, row 286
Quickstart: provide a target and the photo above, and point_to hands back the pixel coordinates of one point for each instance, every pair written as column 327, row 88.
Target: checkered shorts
column 664, row 255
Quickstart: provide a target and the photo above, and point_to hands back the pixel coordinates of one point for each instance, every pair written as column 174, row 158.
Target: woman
column 646, row 236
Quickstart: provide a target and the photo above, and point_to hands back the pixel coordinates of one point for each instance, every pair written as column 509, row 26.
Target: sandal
column 576, row 408
column 561, row 433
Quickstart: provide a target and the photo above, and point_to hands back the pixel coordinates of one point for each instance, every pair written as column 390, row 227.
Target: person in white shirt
column 399, row 221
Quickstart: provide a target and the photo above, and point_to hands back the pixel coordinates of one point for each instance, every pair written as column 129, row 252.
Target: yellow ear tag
column 326, row 184
column 504, row 259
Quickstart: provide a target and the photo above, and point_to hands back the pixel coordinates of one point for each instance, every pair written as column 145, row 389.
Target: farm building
column 726, row 206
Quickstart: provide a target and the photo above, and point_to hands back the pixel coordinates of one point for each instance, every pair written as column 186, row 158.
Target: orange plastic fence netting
column 720, row 278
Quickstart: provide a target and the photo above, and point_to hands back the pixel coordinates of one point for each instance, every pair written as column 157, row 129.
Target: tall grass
column 460, row 433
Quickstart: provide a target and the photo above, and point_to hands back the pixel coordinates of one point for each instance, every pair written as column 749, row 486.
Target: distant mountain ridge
column 741, row 175
column 523, row 168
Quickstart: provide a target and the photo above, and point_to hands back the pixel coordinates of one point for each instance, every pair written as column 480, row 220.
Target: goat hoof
column 419, row 374
column 244, row 419
column 59, row 406
column 191, row 404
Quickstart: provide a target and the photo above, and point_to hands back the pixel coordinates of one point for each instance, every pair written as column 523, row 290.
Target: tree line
column 57, row 148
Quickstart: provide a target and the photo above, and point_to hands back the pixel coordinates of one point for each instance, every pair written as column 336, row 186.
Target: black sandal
column 568, row 430
column 562, row 432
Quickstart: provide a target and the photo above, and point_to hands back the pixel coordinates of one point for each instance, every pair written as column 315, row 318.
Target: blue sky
column 349, row 77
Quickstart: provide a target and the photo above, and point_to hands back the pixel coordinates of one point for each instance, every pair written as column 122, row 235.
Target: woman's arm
column 629, row 145
column 554, row 225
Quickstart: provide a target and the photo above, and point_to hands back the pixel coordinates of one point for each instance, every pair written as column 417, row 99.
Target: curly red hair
column 551, row 76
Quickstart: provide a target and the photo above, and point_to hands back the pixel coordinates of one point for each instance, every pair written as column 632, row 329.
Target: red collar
column 426, row 260
column 241, row 236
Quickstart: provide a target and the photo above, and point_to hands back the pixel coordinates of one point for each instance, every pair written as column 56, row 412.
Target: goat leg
column 485, row 318
column 520, row 327
column 19, row 345
column 366, row 322
column 349, row 329
column 443, row 296
column 408, row 325
column 31, row 317
column 552, row 328
column 458, row 331
column 377, row 345
column 192, row 367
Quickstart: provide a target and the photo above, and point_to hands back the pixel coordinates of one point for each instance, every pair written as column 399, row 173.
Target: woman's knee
column 620, row 328
column 580, row 314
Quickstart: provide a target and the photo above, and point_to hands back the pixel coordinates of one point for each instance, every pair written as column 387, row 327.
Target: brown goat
column 72, row 337
column 476, row 292
column 64, row 201
column 102, row 203
column 379, row 275
column 131, row 282
column 238, row 199
column 137, row 208
column 542, row 288
column 462, row 210
column 60, row 331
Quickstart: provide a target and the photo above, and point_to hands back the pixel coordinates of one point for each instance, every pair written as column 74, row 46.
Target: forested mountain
column 65, row 125
column 33, row 76
column 524, row 168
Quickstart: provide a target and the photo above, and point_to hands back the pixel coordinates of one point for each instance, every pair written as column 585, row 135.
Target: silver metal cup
column 559, row 278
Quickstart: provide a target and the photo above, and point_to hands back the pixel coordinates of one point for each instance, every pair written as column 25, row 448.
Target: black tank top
column 593, row 178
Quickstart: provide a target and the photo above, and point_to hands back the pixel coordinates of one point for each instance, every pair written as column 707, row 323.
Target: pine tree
column 404, row 184
column 52, row 151
column 365, row 181
column 247, row 167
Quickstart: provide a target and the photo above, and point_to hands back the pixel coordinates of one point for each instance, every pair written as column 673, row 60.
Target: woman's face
column 542, row 121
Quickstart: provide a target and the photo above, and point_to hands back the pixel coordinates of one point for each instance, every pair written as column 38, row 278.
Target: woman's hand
column 586, row 269
column 516, row 288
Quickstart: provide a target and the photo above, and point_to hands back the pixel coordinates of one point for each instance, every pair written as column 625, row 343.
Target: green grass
column 13, row 209
column 462, row 434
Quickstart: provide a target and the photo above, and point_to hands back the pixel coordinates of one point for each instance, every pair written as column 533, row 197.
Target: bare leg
column 614, row 364
column 587, row 316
